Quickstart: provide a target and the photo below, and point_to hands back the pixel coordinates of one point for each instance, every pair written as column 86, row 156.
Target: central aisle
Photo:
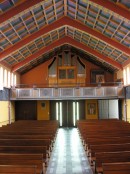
column 68, row 156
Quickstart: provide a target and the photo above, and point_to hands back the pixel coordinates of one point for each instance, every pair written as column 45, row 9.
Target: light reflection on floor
column 68, row 156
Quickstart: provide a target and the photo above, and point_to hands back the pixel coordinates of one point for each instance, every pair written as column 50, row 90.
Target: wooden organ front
column 66, row 69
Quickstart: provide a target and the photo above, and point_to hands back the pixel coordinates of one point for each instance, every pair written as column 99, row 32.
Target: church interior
column 64, row 86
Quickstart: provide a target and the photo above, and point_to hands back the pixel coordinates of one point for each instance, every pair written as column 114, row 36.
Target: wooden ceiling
column 33, row 31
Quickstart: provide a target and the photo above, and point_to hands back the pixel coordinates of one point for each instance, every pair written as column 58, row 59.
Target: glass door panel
column 67, row 112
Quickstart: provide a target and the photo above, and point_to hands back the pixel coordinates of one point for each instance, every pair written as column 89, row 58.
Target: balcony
column 67, row 93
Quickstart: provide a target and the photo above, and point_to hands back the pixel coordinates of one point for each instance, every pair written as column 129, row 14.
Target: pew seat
column 23, row 159
column 18, row 169
column 110, row 157
column 116, row 168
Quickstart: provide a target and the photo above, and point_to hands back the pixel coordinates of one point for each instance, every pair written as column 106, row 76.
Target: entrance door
column 67, row 112
column 106, row 110
column 26, row 110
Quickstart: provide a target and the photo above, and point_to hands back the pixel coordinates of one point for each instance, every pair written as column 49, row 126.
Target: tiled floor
column 68, row 156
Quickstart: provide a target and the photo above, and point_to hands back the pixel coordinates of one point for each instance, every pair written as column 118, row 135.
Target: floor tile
column 68, row 156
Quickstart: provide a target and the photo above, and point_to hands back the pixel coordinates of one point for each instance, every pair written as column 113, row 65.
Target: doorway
column 26, row 110
column 67, row 112
column 108, row 109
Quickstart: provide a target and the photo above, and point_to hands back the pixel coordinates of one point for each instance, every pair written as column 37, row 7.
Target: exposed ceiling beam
column 18, row 9
column 92, row 32
column 126, row 63
column 113, row 7
column 27, row 4
column 5, row 64
column 60, row 23
column 62, row 41
column 40, row 52
column 94, row 53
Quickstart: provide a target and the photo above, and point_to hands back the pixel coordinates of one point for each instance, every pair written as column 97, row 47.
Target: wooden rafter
column 62, row 41
column 18, row 9
column 60, row 23
column 113, row 7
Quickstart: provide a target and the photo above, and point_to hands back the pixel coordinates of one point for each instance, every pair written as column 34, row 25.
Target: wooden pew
column 17, row 169
column 31, row 132
column 104, row 133
column 34, row 127
column 32, row 124
column 101, row 125
column 110, row 157
column 108, row 148
column 26, row 136
column 116, row 168
column 100, row 138
column 27, row 150
column 106, row 140
column 39, row 136
column 17, row 144
column 23, row 159
column 95, row 132
column 26, row 142
column 99, row 131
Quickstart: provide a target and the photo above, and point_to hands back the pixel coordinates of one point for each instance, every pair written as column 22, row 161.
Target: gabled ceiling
column 33, row 31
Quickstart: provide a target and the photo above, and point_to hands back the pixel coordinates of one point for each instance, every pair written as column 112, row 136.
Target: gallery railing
column 77, row 92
